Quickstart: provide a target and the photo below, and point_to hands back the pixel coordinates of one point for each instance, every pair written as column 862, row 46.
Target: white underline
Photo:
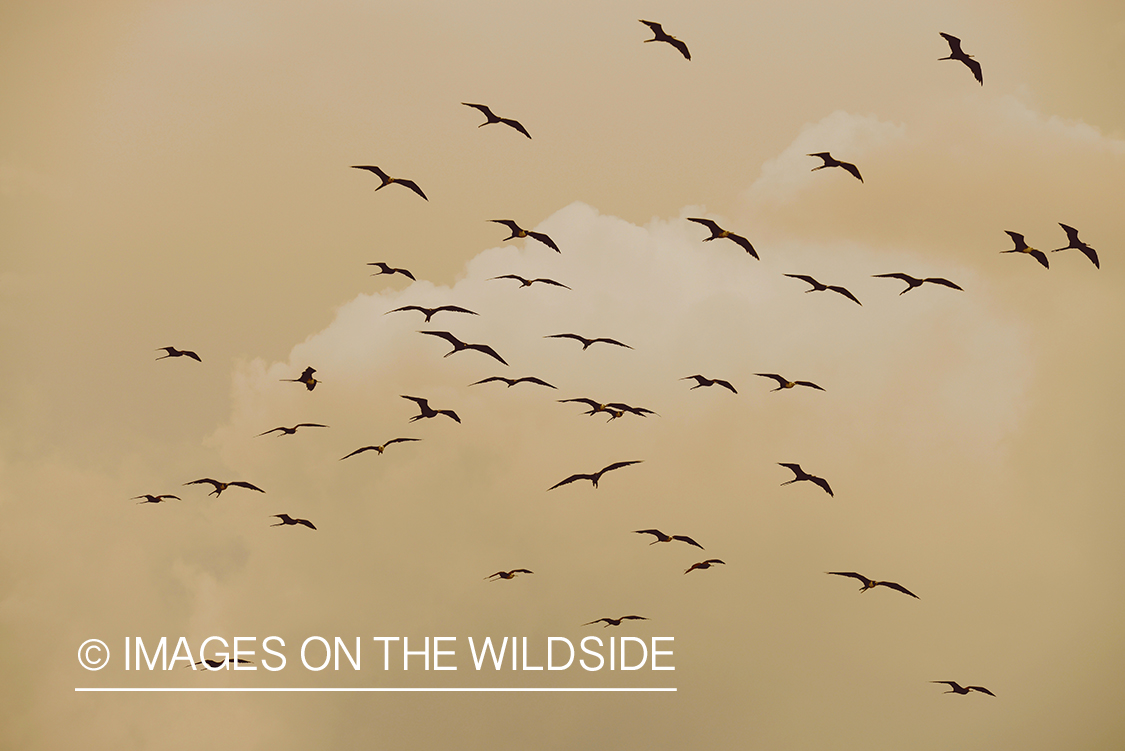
column 361, row 688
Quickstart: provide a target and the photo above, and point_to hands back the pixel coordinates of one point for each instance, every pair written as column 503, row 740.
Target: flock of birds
column 613, row 410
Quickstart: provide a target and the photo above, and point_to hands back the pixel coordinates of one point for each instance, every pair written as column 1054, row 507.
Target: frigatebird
column 704, row 381
column 518, row 231
column 430, row 311
column 661, row 537
column 956, row 688
column 492, row 119
column 871, row 583
column 292, row 430
column 785, row 383
column 913, row 282
column 955, row 53
column 829, row 161
column 818, row 287
column 513, row 381
column 508, row 574
column 587, row 342
column 616, row 621
column 1076, row 244
column 594, row 477
column 173, row 352
column 663, row 36
column 385, row 269
column 704, row 564
column 803, row 475
column 427, row 411
column 718, row 233
column 459, row 346
column 221, row 486
column 1023, row 247
column 286, row 519
column 379, row 449
column 387, row 179
column 154, row 498
column 528, row 282
column 306, row 378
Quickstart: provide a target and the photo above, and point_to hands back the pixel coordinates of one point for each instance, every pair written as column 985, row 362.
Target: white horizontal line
column 362, row 689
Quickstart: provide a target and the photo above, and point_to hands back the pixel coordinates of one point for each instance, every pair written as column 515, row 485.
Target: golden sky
column 178, row 173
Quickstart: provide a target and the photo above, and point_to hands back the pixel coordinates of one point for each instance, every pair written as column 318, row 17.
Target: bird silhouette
column 616, row 621
column 286, row 519
column 427, row 411
column 429, row 312
column 587, row 342
column 617, row 409
column 528, row 282
column 218, row 664
column 459, row 346
column 173, row 352
column 221, row 486
column 513, row 381
column 871, row 583
column 494, row 119
column 388, row 180
column 385, row 269
column 718, row 233
column 801, row 474
column 594, row 477
column 912, row 282
column 956, row 688
column 704, row 381
column 154, row 498
column 818, row 287
column 785, row 383
column 663, row 36
column 508, row 574
column 292, row 430
column 379, row 449
column 518, row 231
column 1023, row 247
column 661, row 537
column 306, row 378
column 955, row 53
column 1076, row 244
column 829, row 161
column 704, row 564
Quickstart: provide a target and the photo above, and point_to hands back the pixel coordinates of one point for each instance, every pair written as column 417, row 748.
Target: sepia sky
column 178, row 173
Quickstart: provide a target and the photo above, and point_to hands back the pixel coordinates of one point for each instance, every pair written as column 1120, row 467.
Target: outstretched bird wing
column 514, row 124
column 545, row 240
column 943, row 282
column 569, row 480
column 898, row 587
column 378, row 172
column 852, row 574
column 688, row 540
column 823, row 484
column 844, row 292
column 242, row 484
column 853, row 169
column 360, row 451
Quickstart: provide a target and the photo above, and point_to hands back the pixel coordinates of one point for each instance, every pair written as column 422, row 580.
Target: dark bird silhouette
column 912, row 282
column 616, row 409
column 587, row 342
column 459, row 345
column 818, row 287
column 594, row 477
column 387, row 179
column 430, row 311
column 803, row 475
column 306, row 378
column 871, row 583
column 518, row 231
column 379, row 449
column 663, row 36
column 221, row 486
column 1076, row 244
column 704, row 381
column 829, row 161
column 1023, row 247
column 528, row 282
column 616, row 621
column 286, row 519
column 705, row 564
column 718, row 233
column 508, row 574
column 785, row 383
column 513, row 381
column 955, row 53
column 154, row 498
column 956, row 688
column 385, row 269
column 292, row 430
column 661, row 537
column 427, row 411
column 216, row 664
column 173, row 352
column 492, row 119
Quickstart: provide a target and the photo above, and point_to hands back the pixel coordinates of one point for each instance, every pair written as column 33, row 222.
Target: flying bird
column 513, row 381
column 216, row 664
column 955, row 53
column 459, row 345
column 959, row 689
column 785, row 383
column 385, row 269
column 430, row 311
column 704, row 381
column 1076, row 244
column 617, row 409
column 1023, row 247
column 587, row 342
column 518, row 231
column 387, row 179
column 292, row 430
column 663, row 36
column 829, row 161
column 221, row 486
column 818, row 287
column 508, row 574
column 717, row 233
column 528, row 282
column 661, row 537
column 492, row 119
column 912, row 282
column 379, row 449
column 705, row 564
column 594, row 477
column 306, row 378
column 803, row 475
column 427, row 411
column 154, row 498
column 871, row 583
column 286, row 519
column 173, row 352
column 616, row 621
